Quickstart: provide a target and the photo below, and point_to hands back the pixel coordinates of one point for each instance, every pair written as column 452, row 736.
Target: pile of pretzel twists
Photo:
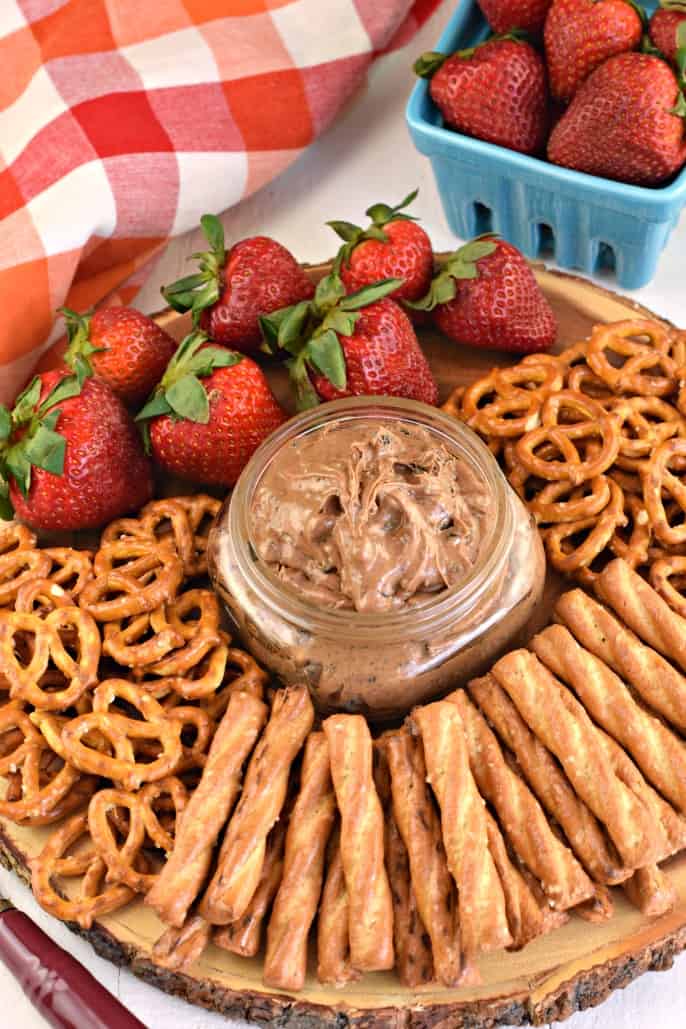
column 594, row 441
column 166, row 770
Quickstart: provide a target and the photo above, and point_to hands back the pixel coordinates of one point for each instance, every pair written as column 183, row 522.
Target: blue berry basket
column 585, row 222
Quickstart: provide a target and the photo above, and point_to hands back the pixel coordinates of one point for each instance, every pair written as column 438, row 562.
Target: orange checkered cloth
column 122, row 121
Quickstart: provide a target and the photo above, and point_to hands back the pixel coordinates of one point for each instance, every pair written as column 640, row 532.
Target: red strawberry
column 350, row 345
column 668, row 28
column 505, row 15
column 210, row 412
column 625, row 123
column 487, row 296
column 123, row 347
column 495, row 91
column 392, row 247
column 581, row 34
column 71, row 454
column 233, row 288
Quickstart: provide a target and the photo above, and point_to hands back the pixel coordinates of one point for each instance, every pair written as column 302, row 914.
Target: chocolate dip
column 368, row 516
column 373, row 549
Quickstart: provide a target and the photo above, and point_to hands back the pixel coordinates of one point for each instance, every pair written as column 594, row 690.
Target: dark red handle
column 64, row 992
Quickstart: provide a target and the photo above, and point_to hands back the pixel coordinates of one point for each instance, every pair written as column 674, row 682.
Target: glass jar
column 381, row 663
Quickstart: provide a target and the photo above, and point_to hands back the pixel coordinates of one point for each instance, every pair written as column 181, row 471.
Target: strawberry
column 233, row 288
column 581, row 34
column 668, row 31
column 71, row 455
column 505, row 15
column 495, row 91
column 123, row 347
column 625, row 123
column 209, row 413
column 487, row 296
column 392, row 247
column 353, row 345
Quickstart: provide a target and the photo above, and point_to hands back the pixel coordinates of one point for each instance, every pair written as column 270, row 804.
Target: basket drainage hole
column 546, row 240
column 483, row 219
column 606, row 258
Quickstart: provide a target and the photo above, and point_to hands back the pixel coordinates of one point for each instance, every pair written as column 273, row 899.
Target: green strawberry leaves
column 180, row 393
column 6, row 509
column 38, row 445
column 380, row 214
column 309, row 333
column 199, row 291
column 428, row 64
column 80, row 350
column 673, row 5
column 462, row 264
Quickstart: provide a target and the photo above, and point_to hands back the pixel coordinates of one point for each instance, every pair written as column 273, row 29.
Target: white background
column 367, row 156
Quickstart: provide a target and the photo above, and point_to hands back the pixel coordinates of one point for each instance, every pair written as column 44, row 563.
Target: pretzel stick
column 642, row 608
column 525, row 916
column 671, row 834
column 562, row 725
column 660, row 755
column 333, row 940
column 185, row 872
column 659, row 684
column 550, row 784
column 264, row 791
column 483, row 914
column 295, row 906
column 523, row 821
column 180, row 947
column 245, row 935
column 420, row 828
column 413, row 959
column 651, row 891
column 369, row 895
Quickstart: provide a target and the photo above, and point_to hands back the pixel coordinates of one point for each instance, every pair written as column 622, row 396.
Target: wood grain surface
column 575, row 967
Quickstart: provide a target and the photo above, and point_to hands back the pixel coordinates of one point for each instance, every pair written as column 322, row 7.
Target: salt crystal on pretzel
column 295, row 905
column 362, row 847
column 412, row 944
column 264, row 792
column 563, row 726
column 524, row 823
column 660, row 754
column 333, row 937
column 482, row 907
column 184, row 874
column 657, row 681
column 420, row 828
column 550, row 784
column 244, row 936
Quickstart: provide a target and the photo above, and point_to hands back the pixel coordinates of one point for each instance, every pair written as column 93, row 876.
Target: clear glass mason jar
column 381, row 663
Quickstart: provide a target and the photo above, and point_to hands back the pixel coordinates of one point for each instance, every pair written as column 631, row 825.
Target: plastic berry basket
column 585, row 222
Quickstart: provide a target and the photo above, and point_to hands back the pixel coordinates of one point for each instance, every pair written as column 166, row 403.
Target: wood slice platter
column 575, row 967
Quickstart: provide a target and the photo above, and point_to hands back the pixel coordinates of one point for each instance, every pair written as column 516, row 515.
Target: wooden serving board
column 575, row 967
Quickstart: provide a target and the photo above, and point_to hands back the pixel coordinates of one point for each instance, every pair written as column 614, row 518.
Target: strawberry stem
column 80, row 350
column 197, row 292
column 462, row 264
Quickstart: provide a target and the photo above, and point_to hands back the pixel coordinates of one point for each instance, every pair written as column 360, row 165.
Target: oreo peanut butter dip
column 369, row 516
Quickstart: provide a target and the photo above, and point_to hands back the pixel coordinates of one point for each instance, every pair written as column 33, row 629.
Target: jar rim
column 447, row 604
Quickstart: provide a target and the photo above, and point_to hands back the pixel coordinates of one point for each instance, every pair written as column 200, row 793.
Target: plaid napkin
column 122, row 121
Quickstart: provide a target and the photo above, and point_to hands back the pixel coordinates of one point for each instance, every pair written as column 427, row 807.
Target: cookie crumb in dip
column 373, row 549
